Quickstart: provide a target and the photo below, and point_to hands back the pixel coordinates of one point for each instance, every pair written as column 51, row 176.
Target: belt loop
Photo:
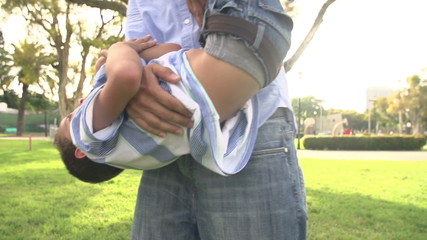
column 289, row 116
column 202, row 38
column 259, row 36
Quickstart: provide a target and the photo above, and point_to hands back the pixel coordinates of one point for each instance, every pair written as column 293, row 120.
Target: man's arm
column 228, row 86
column 158, row 50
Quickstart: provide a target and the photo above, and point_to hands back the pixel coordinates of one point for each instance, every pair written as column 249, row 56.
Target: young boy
column 102, row 133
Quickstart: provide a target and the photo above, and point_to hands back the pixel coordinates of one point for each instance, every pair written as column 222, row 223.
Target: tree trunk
column 21, row 110
column 416, row 123
column 63, row 49
column 63, row 80
column 319, row 19
column 78, row 93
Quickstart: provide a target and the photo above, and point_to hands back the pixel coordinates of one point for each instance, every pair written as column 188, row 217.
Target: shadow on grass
column 354, row 216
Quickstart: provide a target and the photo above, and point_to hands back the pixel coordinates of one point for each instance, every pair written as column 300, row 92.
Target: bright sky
column 359, row 44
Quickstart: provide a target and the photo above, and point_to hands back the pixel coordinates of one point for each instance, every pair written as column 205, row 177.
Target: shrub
column 364, row 142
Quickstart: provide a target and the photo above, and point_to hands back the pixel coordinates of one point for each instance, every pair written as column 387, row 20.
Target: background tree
column 121, row 5
column 310, row 106
column 58, row 21
column 6, row 64
column 32, row 62
column 396, row 107
column 381, row 116
column 37, row 102
column 98, row 39
column 310, row 35
column 410, row 105
column 416, row 102
column 10, row 98
column 54, row 19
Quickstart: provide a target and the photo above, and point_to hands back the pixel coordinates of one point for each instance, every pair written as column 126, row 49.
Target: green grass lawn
column 40, row 200
column 347, row 199
column 366, row 199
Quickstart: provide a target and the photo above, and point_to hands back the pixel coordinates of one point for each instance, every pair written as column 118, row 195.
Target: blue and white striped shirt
column 125, row 145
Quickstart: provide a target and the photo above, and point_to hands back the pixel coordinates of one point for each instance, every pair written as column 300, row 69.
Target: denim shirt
column 170, row 21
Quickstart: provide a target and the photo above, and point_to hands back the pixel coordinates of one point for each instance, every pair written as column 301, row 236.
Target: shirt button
column 187, row 21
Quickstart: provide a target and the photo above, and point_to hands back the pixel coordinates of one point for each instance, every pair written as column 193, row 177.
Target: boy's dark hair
column 84, row 169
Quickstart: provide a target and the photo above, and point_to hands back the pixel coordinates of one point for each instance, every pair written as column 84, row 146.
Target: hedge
column 364, row 142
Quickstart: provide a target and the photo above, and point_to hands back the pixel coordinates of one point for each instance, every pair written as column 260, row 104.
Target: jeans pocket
column 270, row 151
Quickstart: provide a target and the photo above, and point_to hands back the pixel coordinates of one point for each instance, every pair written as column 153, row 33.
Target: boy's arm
column 124, row 71
column 158, row 50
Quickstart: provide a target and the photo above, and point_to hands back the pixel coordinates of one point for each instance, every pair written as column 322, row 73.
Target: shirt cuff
column 105, row 133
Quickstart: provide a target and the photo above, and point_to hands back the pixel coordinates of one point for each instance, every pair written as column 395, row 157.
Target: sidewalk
column 365, row 155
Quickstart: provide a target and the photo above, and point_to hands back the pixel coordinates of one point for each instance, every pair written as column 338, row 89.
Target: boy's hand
column 141, row 44
column 155, row 110
column 138, row 45
column 102, row 59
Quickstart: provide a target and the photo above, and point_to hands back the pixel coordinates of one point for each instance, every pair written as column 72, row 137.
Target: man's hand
column 154, row 109
column 197, row 9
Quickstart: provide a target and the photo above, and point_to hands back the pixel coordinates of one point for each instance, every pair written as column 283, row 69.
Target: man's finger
column 163, row 97
column 144, row 125
column 151, row 123
column 162, row 72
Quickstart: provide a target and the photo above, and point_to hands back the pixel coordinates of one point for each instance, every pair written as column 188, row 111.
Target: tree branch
column 118, row 6
column 319, row 19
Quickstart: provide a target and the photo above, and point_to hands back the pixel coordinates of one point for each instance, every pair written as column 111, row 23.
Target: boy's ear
column 79, row 154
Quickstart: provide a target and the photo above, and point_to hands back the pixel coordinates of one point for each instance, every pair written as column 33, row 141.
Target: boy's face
column 64, row 130
column 64, row 126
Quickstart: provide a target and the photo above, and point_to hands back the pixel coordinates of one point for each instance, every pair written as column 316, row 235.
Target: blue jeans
column 266, row 200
